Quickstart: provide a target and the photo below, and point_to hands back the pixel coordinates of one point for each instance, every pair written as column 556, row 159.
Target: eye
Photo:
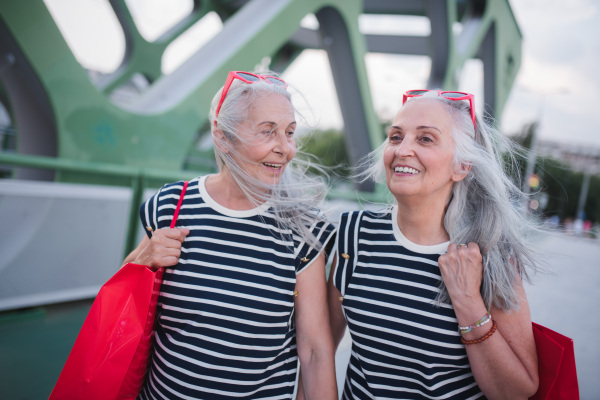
column 395, row 138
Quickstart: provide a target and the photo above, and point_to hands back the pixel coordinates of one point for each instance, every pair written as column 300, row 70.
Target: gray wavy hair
column 295, row 199
column 487, row 207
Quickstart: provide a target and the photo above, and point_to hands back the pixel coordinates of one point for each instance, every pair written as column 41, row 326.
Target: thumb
column 177, row 233
column 183, row 232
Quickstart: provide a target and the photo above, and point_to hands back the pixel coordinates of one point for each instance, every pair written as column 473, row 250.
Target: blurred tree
column 329, row 149
column 560, row 184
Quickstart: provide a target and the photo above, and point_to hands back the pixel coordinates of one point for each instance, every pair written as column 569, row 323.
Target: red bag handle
column 176, row 214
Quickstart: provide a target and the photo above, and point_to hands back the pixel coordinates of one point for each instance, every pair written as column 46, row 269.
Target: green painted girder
column 142, row 56
column 158, row 129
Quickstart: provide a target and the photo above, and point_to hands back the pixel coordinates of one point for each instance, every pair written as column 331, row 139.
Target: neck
column 422, row 222
column 223, row 189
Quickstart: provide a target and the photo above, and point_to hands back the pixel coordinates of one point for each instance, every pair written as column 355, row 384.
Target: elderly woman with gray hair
column 243, row 296
column 431, row 287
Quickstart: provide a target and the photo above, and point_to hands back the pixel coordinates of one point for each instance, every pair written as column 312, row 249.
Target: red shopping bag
column 556, row 365
column 110, row 357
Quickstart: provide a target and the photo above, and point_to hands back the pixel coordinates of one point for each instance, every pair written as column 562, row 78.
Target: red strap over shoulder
column 174, row 220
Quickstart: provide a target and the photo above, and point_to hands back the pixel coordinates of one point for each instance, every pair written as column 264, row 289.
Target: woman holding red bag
column 243, row 296
column 430, row 288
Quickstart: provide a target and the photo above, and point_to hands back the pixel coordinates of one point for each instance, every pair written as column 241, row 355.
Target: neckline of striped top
column 417, row 248
column 224, row 210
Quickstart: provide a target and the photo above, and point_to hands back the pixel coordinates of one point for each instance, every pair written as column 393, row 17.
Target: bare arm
column 504, row 365
column 315, row 347
column 336, row 315
column 163, row 250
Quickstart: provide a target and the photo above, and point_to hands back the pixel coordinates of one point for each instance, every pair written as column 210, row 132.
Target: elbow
column 311, row 354
column 532, row 386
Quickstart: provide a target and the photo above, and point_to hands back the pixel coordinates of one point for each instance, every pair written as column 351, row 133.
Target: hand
column 462, row 271
column 163, row 249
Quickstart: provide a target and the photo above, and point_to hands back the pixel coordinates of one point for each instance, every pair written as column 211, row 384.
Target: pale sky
column 558, row 79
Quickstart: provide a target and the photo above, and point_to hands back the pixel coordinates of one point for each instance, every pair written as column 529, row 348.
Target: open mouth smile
column 276, row 167
column 406, row 170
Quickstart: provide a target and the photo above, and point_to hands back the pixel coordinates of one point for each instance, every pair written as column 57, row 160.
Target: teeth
column 273, row 165
column 406, row 170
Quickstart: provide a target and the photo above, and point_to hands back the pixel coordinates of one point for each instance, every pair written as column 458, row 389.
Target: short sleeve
column 346, row 248
column 157, row 211
column 305, row 254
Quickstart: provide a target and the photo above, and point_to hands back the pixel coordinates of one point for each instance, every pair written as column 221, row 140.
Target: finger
column 473, row 246
column 164, row 258
column 178, row 234
column 170, row 243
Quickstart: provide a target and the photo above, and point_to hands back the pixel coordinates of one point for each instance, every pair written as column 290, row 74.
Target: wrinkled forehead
column 425, row 108
column 271, row 107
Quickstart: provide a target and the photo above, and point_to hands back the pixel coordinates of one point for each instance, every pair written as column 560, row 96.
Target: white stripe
column 216, row 368
column 232, row 243
column 398, row 268
column 279, row 347
column 247, row 335
column 228, row 356
column 383, row 217
column 245, row 221
column 223, row 317
column 357, row 385
column 411, row 349
column 401, row 256
column 370, row 302
column 237, row 269
column 449, row 369
column 223, row 305
column 253, row 260
column 233, row 281
column 404, row 282
column 231, row 293
column 410, row 336
column 375, row 231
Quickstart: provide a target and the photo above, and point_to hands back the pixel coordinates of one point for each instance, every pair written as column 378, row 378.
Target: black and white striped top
column 403, row 345
column 225, row 325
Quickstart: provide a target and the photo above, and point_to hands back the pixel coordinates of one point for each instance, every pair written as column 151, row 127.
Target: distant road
column 567, row 300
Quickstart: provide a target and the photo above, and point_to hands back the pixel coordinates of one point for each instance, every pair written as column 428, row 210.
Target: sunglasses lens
column 275, row 81
column 416, row 92
column 454, row 95
column 248, row 77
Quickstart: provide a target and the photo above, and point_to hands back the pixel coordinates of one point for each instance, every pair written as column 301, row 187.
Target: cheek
column 293, row 150
column 388, row 155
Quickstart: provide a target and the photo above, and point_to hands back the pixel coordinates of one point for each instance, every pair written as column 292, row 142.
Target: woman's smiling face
column 419, row 156
column 267, row 142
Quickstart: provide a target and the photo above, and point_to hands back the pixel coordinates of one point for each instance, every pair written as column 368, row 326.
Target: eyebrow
column 275, row 124
column 418, row 127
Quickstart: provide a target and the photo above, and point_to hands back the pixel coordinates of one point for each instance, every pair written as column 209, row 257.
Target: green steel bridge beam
column 59, row 112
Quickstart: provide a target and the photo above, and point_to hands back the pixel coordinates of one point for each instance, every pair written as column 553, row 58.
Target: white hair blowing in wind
column 295, row 199
column 487, row 207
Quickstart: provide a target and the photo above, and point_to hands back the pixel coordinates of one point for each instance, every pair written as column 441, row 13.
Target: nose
column 283, row 145
column 405, row 148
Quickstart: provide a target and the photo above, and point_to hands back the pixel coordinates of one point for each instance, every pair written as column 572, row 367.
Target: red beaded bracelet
column 481, row 339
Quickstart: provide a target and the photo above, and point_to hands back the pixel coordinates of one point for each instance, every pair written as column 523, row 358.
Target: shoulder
column 352, row 218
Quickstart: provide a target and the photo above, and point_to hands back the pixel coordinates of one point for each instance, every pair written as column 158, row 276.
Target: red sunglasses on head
column 246, row 77
column 450, row 95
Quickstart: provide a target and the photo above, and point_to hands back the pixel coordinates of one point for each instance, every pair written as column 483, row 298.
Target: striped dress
column 403, row 345
column 225, row 327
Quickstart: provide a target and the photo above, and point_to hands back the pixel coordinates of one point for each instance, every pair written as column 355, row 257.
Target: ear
column 220, row 140
column 461, row 173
